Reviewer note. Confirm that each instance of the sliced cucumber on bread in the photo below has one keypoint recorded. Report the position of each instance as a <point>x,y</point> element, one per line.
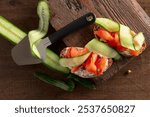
<point>101,48</point>
<point>107,24</point>
<point>75,61</point>
<point>126,39</point>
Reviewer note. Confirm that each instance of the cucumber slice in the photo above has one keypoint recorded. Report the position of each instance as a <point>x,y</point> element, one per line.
<point>138,40</point>
<point>44,15</point>
<point>102,49</point>
<point>52,60</point>
<point>69,85</point>
<point>107,24</point>
<point>126,39</point>
<point>37,35</point>
<point>52,55</point>
<point>75,61</point>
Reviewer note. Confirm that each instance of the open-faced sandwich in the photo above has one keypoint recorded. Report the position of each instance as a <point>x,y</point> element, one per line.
<point>120,37</point>
<point>110,39</point>
<point>88,62</point>
<point>84,63</point>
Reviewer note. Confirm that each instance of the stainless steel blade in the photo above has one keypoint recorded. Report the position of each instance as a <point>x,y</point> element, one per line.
<point>22,55</point>
<point>41,47</point>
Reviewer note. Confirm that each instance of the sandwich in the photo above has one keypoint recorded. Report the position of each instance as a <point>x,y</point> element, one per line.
<point>119,37</point>
<point>84,63</point>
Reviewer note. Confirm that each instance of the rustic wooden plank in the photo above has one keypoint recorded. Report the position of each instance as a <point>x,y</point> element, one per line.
<point>127,12</point>
<point>145,5</point>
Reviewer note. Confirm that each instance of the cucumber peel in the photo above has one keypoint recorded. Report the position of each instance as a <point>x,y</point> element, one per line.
<point>87,83</point>
<point>75,61</point>
<point>107,24</point>
<point>101,48</point>
<point>69,85</point>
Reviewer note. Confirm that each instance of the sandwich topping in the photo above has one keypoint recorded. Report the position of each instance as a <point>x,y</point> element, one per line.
<point>122,38</point>
<point>93,66</point>
<point>111,40</point>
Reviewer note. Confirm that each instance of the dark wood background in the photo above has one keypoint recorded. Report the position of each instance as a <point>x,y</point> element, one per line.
<point>19,83</point>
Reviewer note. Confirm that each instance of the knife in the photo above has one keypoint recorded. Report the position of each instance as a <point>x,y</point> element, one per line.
<point>22,55</point>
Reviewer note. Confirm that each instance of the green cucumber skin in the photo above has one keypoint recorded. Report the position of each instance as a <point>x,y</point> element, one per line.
<point>102,49</point>
<point>107,24</point>
<point>75,61</point>
<point>69,85</point>
<point>48,60</point>
<point>87,83</point>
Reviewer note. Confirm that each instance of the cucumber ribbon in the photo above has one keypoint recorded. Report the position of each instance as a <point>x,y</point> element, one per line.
<point>127,40</point>
<point>35,36</point>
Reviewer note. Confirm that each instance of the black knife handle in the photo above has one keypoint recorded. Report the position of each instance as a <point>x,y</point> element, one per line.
<point>79,23</point>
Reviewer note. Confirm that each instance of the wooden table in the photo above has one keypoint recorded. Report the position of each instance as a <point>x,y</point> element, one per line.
<point>19,83</point>
<point>145,4</point>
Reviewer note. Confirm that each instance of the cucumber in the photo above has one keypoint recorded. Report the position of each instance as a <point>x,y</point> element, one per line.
<point>126,39</point>
<point>52,62</point>
<point>53,55</point>
<point>38,34</point>
<point>69,85</point>
<point>101,48</point>
<point>15,35</point>
<point>75,61</point>
<point>4,33</point>
<point>107,24</point>
<point>8,30</point>
<point>87,83</point>
<point>12,27</point>
<point>138,40</point>
<point>44,15</point>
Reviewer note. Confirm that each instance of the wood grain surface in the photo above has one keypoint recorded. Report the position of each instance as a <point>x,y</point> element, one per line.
<point>145,5</point>
<point>19,83</point>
